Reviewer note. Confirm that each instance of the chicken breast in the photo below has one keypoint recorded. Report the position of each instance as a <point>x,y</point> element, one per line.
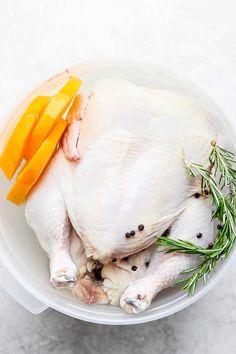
<point>132,142</point>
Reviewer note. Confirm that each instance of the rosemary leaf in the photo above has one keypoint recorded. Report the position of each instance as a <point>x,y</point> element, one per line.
<point>222,164</point>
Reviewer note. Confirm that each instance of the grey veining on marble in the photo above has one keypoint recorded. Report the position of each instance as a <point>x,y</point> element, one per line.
<point>39,38</point>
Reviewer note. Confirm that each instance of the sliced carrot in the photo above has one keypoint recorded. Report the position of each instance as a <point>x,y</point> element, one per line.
<point>54,110</point>
<point>35,167</point>
<point>14,150</point>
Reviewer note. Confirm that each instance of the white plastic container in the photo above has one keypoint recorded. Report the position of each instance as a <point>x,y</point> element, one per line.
<point>24,265</point>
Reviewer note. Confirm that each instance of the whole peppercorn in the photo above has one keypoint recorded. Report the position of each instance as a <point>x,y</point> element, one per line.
<point>134,268</point>
<point>199,235</point>
<point>141,227</point>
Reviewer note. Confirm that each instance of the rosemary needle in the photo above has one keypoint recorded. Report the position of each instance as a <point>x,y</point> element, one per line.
<point>222,164</point>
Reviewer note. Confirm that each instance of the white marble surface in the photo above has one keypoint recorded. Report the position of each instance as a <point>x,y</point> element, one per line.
<point>38,38</point>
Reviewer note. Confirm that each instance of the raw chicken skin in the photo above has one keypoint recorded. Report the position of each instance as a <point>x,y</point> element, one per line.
<point>132,144</point>
<point>164,269</point>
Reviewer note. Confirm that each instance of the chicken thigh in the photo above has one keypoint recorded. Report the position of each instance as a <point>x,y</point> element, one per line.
<point>120,182</point>
<point>165,269</point>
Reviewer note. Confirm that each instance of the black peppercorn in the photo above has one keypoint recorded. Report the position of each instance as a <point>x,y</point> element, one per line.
<point>210,245</point>
<point>141,227</point>
<point>147,264</point>
<point>219,227</point>
<point>199,235</point>
<point>206,192</point>
<point>127,235</point>
<point>134,268</point>
<point>125,258</point>
<point>197,195</point>
<point>132,232</point>
<point>114,260</point>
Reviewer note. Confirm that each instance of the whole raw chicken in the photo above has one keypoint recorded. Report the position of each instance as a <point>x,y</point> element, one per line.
<point>117,183</point>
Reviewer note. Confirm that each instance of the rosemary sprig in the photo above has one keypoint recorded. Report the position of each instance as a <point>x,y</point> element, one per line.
<point>222,164</point>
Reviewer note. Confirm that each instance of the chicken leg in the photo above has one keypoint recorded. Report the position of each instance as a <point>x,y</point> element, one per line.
<point>165,269</point>
<point>48,217</point>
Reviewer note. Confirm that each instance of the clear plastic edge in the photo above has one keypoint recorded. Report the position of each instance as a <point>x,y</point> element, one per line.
<point>19,293</point>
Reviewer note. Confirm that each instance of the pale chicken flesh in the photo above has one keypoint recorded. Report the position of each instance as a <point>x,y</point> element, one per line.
<point>120,181</point>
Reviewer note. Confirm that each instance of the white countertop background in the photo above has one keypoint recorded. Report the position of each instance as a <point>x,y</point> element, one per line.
<point>196,39</point>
